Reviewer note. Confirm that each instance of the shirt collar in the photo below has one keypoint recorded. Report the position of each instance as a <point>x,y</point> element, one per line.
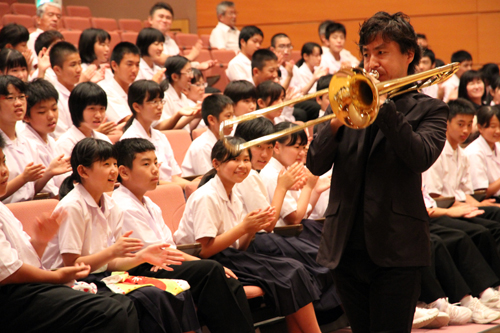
<point>106,201</point>
<point>219,188</point>
<point>61,89</point>
<point>226,27</point>
<point>486,147</point>
<point>275,164</point>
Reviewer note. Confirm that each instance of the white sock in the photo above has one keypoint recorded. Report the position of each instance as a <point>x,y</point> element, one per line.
<point>466,300</point>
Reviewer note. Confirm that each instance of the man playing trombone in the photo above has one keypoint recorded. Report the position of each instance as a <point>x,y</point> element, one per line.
<point>376,235</point>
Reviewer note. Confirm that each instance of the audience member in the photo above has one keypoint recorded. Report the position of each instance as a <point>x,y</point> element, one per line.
<point>240,67</point>
<point>225,35</point>
<point>451,85</point>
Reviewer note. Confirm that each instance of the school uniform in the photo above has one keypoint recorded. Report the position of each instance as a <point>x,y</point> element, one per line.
<point>303,77</point>
<point>240,68</point>
<point>46,153</point>
<point>146,72</point>
<point>89,228</point>
<point>64,121</point>
<point>210,212</point>
<point>118,107</point>
<point>170,47</point>
<point>174,103</point>
<point>221,302</point>
<point>24,307</point>
<point>18,154</point>
<point>431,91</point>
<point>322,203</point>
<point>333,65</point>
<point>163,150</point>
<point>197,160</point>
<point>484,163</point>
<point>449,86</point>
<point>31,45</point>
<point>225,37</point>
<point>284,75</point>
<point>66,143</point>
<point>108,74</point>
<point>49,75</point>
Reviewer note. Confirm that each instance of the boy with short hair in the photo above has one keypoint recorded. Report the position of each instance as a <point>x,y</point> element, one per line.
<point>67,65</point>
<point>323,100</point>
<point>41,119</point>
<point>337,56</point>
<point>282,46</point>
<point>125,60</point>
<point>264,66</point>
<point>451,85</point>
<point>221,301</point>
<point>428,62</point>
<point>42,47</point>
<point>214,110</point>
<point>244,96</point>
<point>27,288</point>
<point>240,67</point>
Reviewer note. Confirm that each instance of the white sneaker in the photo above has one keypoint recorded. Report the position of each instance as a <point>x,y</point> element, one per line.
<point>493,302</point>
<point>441,320</point>
<point>424,317</point>
<point>459,315</point>
<point>481,314</point>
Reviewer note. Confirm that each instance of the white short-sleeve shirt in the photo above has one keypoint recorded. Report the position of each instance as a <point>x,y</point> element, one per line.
<point>46,153</point>
<point>174,103</point>
<point>15,245</point>
<point>449,176</point>
<point>323,200</point>
<point>252,193</point>
<point>73,135</point>
<point>209,213</point>
<point>86,229</point>
<point>303,77</point>
<point>146,72</point>
<point>240,68</point>
<point>18,154</point>
<point>117,100</point>
<point>270,177</point>
<point>449,86</point>
<point>108,74</point>
<point>144,218</point>
<point>333,65</point>
<point>284,76</point>
<point>197,160</point>
<point>64,121</point>
<point>224,37</point>
<point>484,163</point>
<point>164,152</point>
<point>170,47</point>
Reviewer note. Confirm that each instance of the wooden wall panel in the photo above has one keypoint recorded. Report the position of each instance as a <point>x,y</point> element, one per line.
<point>488,33</point>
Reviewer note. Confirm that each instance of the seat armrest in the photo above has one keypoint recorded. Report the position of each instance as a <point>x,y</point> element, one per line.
<point>191,249</point>
<point>289,230</point>
<point>444,202</point>
<point>479,195</point>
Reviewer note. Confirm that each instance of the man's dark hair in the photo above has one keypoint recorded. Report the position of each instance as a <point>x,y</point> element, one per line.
<point>324,82</point>
<point>322,27</point>
<point>260,57</point>
<point>13,34</point>
<point>460,56</point>
<point>127,149</point>
<point>429,54</point>
<point>85,94</point>
<point>146,37</point>
<point>37,91</point>
<point>334,27</point>
<point>123,48</point>
<point>255,128</point>
<point>248,32</point>
<point>276,36</point>
<point>460,106</point>
<point>59,52</point>
<point>214,105</point>
<point>47,38</point>
<point>239,90</point>
<point>395,27</point>
<point>161,5</point>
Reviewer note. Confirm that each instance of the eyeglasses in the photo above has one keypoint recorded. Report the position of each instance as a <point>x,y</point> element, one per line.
<point>156,102</point>
<point>12,99</point>
<point>283,47</point>
<point>199,85</point>
<point>189,72</point>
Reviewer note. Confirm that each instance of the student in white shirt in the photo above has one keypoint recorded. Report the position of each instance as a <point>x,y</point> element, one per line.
<point>336,58</point>
<point>298,204</point>
<point>179,75</point>
<point>91,232</point>
<point>472,88</point>
<point>214,218</point>
<point>244,96</point>
<point>270,93</point>
<point>125,60</point>
<point>220,297</point>
<point>12,62</point>
<point>95,53</point>
<point>150,43</point>
<point>225,35</point>
<point>41,119</point>
<point>42,48</point>
<point>282,46</point>
<point>15,36</point>
<point>214,110</point>
<point>160,17</point>
<point>145,99</point>
<point>495,91</point>
<point>27,176</point>
<point>26,287</point>
<point>323,100</point>
<point>87,105</point>
<point>484,152</point>
<point>309,69</point>
<point>66,63</point>
<point>195,93</point>
<point>451,85</point>
<point>240,67</point>
<point>428,62</point>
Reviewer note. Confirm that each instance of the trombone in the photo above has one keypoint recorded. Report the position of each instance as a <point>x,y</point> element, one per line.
<point>354,100</point>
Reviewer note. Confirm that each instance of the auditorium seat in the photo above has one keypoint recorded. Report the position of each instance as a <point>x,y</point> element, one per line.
<point>180,140</point>
<point>146,24</point>
<point>219,70</point>
<point>206,41</point>
<point>76,23</point>
<point>130,25</point>
<point>28,211</point>
<point>79,11</point>
<point>224,56</point>
<point>197,132</point>
<point>4,9</point>
<point>191,187</point>
<point>23,9</point>
<point>105,23</point>
<point>25,20</point>
<point>72,36</point>
<point>186,41</point>
<point>129,36</point>
<point>115,39</point>
<point>204,56</point>
<point>170,199</point>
